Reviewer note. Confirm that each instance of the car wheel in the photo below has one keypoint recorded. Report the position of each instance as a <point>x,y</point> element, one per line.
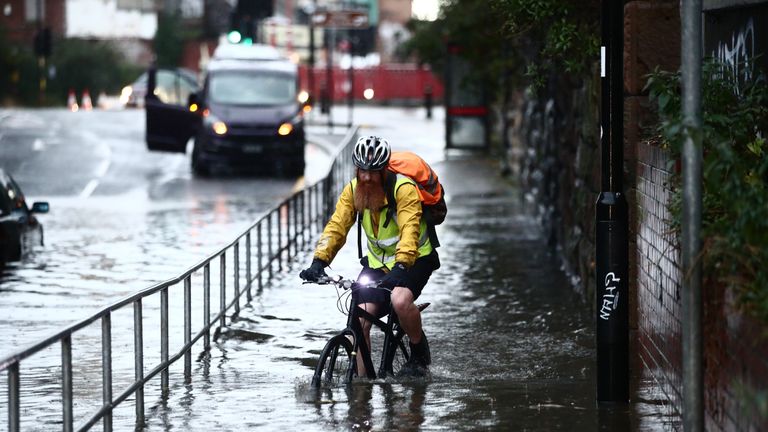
<point>198,167</point>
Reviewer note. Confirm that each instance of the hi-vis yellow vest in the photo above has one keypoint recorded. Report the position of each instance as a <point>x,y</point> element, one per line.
<point>383,246</point>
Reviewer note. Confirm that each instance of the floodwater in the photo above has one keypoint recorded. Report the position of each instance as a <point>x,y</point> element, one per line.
<point>512,345</point>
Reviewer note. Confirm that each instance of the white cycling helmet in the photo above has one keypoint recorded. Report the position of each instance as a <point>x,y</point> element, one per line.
<point>371,153</point>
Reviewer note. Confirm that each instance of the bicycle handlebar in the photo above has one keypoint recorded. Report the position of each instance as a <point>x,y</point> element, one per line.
<point>345,284</point>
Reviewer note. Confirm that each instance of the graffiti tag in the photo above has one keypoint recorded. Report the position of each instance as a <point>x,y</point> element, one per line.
<point>610,296</point>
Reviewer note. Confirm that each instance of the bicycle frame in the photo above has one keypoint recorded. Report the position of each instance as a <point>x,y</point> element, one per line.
<point>393,336</point>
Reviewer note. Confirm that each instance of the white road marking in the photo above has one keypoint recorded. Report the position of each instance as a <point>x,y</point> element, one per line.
<point>106,153</point>
<point>89,188</point>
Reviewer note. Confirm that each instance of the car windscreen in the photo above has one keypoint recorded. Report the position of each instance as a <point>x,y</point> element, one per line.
<point>252,88</point>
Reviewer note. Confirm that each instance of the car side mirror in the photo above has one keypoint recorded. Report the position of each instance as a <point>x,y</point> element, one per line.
<point>40,207</point>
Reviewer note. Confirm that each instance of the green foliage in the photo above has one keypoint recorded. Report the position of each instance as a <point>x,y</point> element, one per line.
<point>75,64</point>
<point>516,41</point>
<point>168,42</point>
<point>170,37</point>
<point>735,174</point>
<point>93,65</point>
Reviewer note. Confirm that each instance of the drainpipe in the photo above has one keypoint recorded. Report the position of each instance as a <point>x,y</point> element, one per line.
<point>612,249</point>
<point>693,377</point>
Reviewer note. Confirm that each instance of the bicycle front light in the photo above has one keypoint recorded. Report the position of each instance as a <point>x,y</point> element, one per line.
<point>364,280</point>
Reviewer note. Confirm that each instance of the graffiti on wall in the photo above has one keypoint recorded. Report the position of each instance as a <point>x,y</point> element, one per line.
<point>737,38</point>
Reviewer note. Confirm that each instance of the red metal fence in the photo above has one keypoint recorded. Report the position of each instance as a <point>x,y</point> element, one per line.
<point>390,83</point>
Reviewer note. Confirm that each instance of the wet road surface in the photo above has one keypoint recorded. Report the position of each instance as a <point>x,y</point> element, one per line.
<point>512,346</point>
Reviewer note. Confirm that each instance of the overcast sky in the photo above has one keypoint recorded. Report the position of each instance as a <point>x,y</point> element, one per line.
<point>425,9</point>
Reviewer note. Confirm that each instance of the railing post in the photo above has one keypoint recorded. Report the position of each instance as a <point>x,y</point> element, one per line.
<point>269,243</point>
<point>248,275</point>
<point>280,237</point>
<point>106,369</point>
<point>222,290</point>
<point>138,354</point>
<point>14,404</point>
<point>207,305</point>
<point>66,383</point>
<point>289,207</point>
<point>237,277</point>
<point>304,239</point>
<point>164,376</point>
<point>187,328</point>
<point>259,256</point>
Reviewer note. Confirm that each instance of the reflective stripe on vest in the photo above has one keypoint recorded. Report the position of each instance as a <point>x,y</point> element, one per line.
<point>382,248</point>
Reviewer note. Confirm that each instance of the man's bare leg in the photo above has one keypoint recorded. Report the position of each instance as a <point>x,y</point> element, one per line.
<point>408,313</point>
<point>371,308</point>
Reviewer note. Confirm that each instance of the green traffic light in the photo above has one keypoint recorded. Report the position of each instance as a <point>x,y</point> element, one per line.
<point>248,41</point>
<point>234,37</point>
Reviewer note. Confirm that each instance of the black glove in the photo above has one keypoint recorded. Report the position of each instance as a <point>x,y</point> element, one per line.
<point>315,271</point>
<point>397,277</point>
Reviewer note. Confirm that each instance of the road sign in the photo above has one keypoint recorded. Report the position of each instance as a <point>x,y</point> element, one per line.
<point>341,19</point>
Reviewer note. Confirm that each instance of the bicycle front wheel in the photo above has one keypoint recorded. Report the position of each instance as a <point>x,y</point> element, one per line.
<point>337,363</point>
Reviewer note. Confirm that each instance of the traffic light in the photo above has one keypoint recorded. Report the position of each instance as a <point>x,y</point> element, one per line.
<point>43,43</point>
<point>243,20</point>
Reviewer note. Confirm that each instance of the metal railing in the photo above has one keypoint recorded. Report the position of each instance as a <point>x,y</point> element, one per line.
<point>279,235</point>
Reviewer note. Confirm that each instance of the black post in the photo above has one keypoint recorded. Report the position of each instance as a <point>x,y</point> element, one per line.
<point>351,94</point>
<point>330,41</point>
<point>428,100</point>
<point>612,255</point>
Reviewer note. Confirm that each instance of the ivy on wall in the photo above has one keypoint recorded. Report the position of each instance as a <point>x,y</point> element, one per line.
<point>735,175</point>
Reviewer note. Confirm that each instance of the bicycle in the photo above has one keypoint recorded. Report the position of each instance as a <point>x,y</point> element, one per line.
<point>337,364</point>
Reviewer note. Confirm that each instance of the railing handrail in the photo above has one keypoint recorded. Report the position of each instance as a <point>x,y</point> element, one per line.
<point>12,362</point>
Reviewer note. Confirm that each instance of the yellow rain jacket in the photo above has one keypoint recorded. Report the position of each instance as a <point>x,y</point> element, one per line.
<point>408,226</point>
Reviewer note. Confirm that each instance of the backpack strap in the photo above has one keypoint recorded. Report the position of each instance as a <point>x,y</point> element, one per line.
<point>389,187</point>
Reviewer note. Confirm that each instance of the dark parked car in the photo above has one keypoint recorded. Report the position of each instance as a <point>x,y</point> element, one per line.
<point>248,115</point>
<point>19,228</point>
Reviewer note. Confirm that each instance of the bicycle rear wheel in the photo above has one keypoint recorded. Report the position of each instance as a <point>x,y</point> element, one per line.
<point>337,364</point>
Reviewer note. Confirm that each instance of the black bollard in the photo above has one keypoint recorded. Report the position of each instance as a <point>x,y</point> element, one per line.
<point>428,100</point>
<point>324,105</point>
<point>612,299</point>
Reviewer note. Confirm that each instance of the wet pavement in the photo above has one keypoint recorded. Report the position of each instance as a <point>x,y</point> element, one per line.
<point>512,345</point>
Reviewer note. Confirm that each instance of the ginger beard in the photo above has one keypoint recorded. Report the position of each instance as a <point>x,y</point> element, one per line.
<point>369,193</point>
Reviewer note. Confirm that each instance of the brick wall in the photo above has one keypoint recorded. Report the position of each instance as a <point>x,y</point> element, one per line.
<point>560,172</point>
<point>735,346</point>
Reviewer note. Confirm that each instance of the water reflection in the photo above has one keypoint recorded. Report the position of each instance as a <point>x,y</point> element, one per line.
<point>366,406</point>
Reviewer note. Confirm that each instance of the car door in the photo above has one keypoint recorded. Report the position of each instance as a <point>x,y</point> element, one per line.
<point>171,121</point>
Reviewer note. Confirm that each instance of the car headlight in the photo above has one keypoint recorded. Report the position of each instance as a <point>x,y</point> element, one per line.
<point>287,127</point>
<point>213,122</point>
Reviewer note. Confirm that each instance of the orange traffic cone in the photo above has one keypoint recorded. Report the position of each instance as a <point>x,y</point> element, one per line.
<point>72,101</point>
<point>87,104</point>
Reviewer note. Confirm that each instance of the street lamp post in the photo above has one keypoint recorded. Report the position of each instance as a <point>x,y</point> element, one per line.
<point>612,249</point>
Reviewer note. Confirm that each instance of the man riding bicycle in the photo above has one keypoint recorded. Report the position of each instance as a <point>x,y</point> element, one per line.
<point>400,252</point>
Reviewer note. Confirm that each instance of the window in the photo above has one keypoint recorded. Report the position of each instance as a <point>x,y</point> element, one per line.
<point>253,88</point>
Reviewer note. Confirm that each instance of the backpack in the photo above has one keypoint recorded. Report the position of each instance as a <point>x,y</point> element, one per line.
<point>431,192</point>
<point>429,187</point>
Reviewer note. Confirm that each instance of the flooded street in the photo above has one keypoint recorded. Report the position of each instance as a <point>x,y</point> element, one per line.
<point>512,346</point>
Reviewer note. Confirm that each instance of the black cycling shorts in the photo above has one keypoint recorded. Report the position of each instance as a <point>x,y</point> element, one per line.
<point>418,275</point>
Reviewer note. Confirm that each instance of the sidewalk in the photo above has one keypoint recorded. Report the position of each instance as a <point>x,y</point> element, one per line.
<point>512,346</point>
